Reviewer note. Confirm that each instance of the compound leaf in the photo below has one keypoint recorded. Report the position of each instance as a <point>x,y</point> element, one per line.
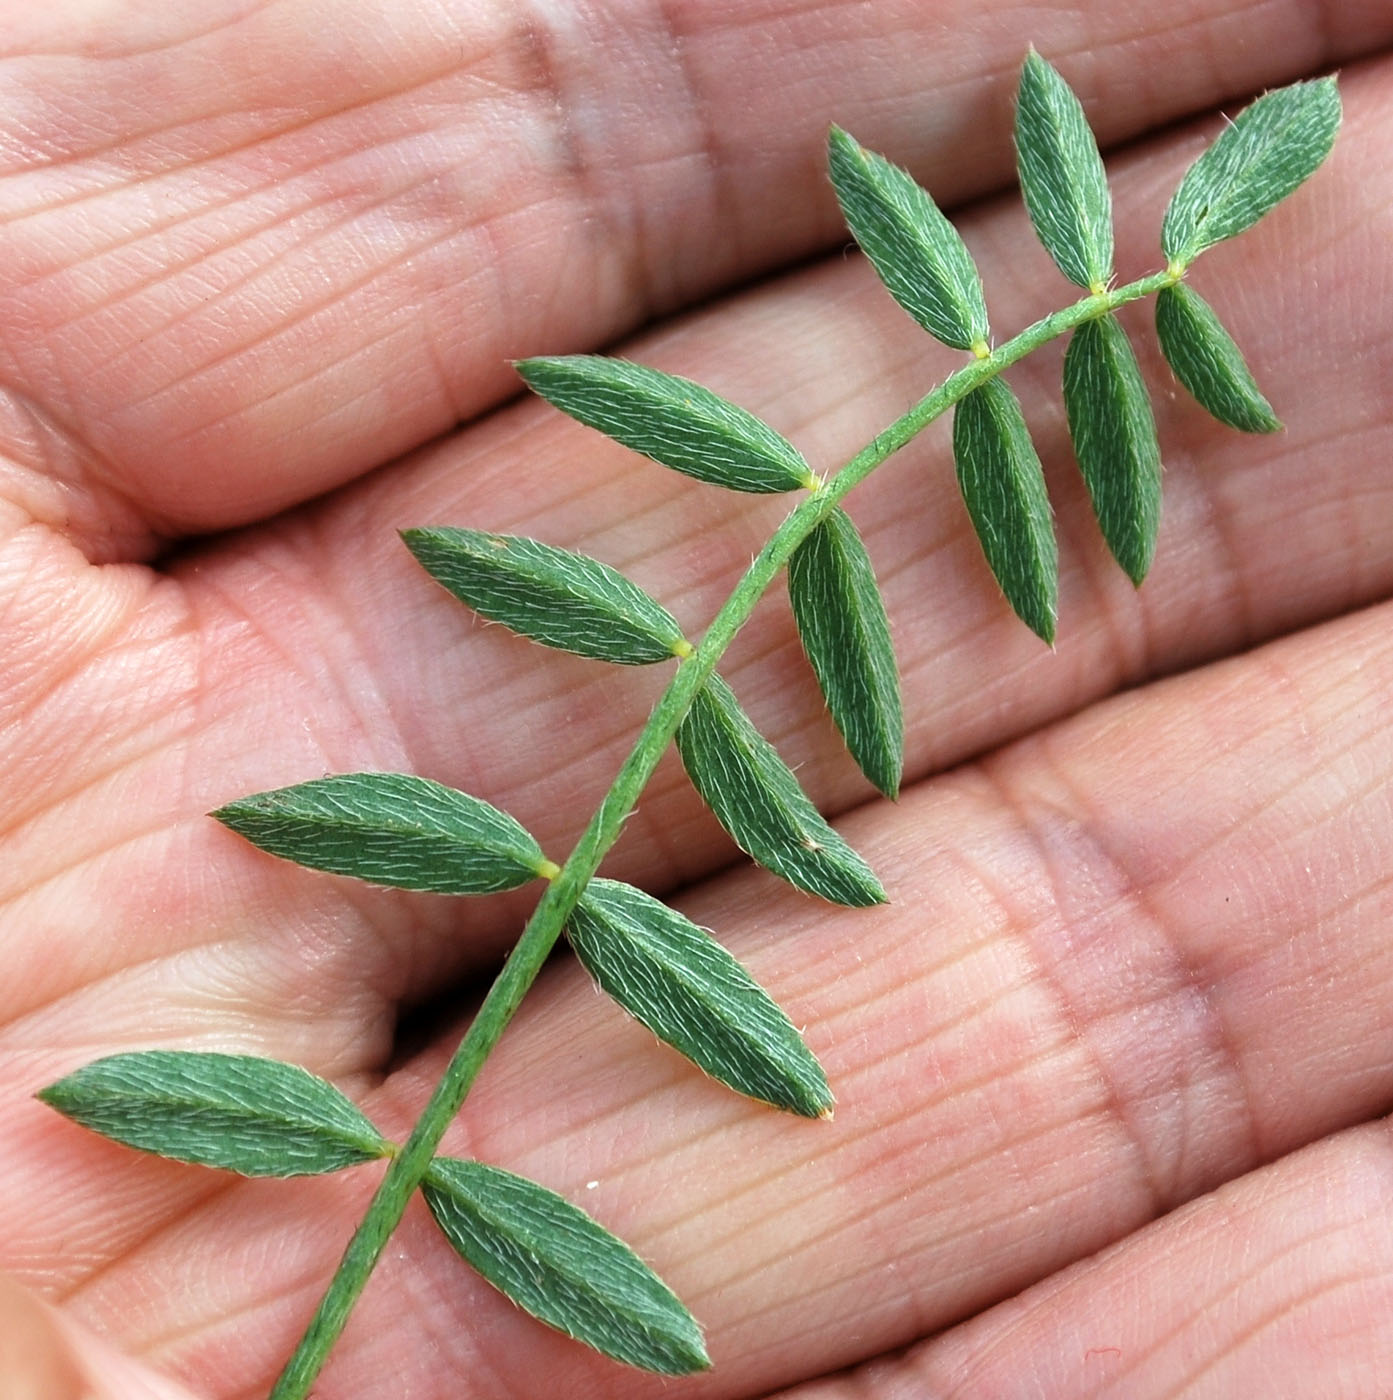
<point>1114,435</point>
<point>558,1264</point>
<point>243,1114</point>
<point>757,799</point>
<point>919,255</point>
<point>1208,363</point>
<point>841,620</point>
<point>1062,176</point>
<point>1003,487</point>
<point>690,992</point>
<point>554,596</point>
<point>390,829</point>
<point>1269,149</point>
<point>674,421</point>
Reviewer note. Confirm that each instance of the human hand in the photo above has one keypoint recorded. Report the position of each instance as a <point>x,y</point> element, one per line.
<point>1133,966</point>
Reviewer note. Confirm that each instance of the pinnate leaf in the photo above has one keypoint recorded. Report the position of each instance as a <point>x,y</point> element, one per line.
<point>690,992</point>
<point>757,799</point>
<point>674,421</point>
<point>390,829</point>
<point>1269,149</point>
<point>1062,176</point>
<point>919,255</point>
<point>243,1114</point>
<point>1114,435</point>
<point>841,620</point>
<point>554,596</point>
<point>1003,487</point>
<point>558,1264</point>
<point>1208,363</point>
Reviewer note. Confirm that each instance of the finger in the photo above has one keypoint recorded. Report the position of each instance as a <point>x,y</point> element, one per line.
<point>218,301</point>
<point>320,647</point>
<point>33,1357</point>
<point>1128,959</point>
<point>1259,537</point>
<point>243,953</point>
<point>1279,1283</point>
<point>44,1356</point>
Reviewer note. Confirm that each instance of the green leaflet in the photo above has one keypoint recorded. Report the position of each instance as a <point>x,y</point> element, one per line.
<point>919,255</point>
<point>390,829</point>
<point>554,596</point>
<point>243,1114</point>
<point>1062,176</point>
<point>841,620</point>
<point>1114,435</point>
<point>1003,487</point>
<point>1253,164</point>
<point>556,1263</point>
<point>671,420</point>
<point>1208,363</point>
<point>759,802</point>
<point>689,991</point>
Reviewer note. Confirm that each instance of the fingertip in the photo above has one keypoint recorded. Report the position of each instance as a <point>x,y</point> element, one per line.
<point>46,1356</point>
<point>35,1359</point>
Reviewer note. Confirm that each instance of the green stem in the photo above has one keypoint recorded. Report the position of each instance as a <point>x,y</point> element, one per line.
<point>408,1169</point>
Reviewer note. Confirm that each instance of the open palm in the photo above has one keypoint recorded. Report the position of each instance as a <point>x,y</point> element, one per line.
<point>1109,1064</point>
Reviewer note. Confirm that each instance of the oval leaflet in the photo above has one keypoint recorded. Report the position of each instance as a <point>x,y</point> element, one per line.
<point>692,993</point>
<point>1255,162</point>
<point>919,255</point>
<point>1208,363</point>
<point>240,1113</point>
<point>391,829</point>
<point>1062,176</point>
<point>554,596</point>
<point>1003,488</point>
<point>846,635</point>
<point>558,1264</point>
<point>755,796</point>
<point>1114,436</point>
<point>674,421</point>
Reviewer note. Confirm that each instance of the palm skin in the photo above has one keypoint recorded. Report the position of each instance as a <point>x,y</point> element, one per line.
<point>1111,1064</point>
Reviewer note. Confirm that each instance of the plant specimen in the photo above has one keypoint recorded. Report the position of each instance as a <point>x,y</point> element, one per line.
<point>263,1117</point>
